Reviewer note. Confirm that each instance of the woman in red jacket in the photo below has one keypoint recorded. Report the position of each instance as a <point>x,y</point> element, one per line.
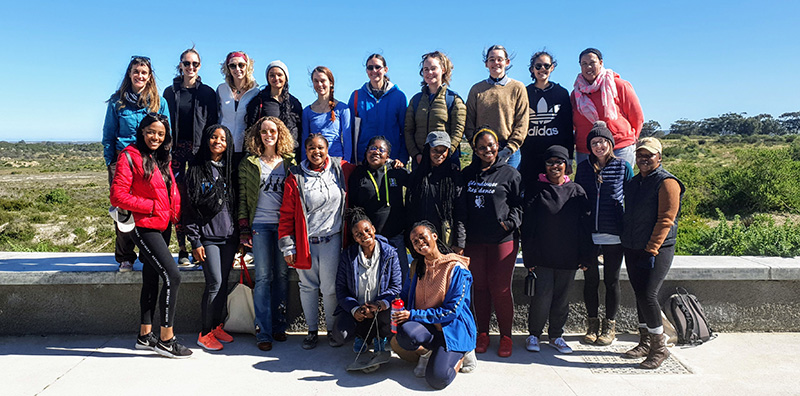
<point>145,186</point>
<point>600,95</point>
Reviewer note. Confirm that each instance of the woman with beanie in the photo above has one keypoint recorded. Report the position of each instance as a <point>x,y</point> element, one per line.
<point>262,175</point>
<point>650,226</point>
<point>276,101</point>
<point>603,176</point>
<point>436,108</point>
<point>233,95</point>
<point>192,107</point>
<point>555,242</point>
<point>145,186</point>
<point>437,322</point>
<point>210,227</point>
<point>550,118</point>
<point>500,103</point>
<point>378,108</point>
<point>435,193</point>
<point>599,94</point>
<point>328,116</point>
<point>136,97</point>
<point>494,213</point>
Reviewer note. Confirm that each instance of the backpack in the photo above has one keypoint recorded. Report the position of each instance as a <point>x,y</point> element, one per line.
<point>449,99</point>
<point>690,321</point>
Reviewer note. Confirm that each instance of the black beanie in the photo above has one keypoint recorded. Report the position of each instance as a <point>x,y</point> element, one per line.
<point>556,151</point>
<point>599,129</point>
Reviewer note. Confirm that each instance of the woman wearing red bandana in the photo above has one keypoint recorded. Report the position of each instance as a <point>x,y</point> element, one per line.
<point>599,94</point>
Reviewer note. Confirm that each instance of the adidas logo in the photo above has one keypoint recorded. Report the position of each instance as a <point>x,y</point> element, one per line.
<point>540,117</point>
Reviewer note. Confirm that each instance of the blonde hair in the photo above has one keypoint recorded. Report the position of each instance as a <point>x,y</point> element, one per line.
<point>254,145</point>
<point>149,98</point>
<point>249,80</point>
<point>444,62</point>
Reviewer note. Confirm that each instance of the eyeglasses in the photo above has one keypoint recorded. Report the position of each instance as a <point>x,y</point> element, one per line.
<point>237,66</point>
<point>378,149</point>
<point>540,66</point>
<point>193,64</point>
<point>439,151</point>
<point>487,147</point>
<point>374,67</point>
<point>555,162</point>
<point>602,142</point>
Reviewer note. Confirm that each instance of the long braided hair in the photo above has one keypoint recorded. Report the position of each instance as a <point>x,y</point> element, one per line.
<point>331,101</point>
<point>207,195</point>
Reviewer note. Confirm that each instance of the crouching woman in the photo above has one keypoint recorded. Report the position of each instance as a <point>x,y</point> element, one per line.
<point>438,319</point>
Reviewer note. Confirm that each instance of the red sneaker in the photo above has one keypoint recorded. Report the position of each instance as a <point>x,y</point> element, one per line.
<point>506,345</point>
<point>482,343</point>
<point>221,335</point>
<point>208,342</point>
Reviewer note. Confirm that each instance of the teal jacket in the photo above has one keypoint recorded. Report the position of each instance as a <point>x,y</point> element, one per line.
<point>119,129</point>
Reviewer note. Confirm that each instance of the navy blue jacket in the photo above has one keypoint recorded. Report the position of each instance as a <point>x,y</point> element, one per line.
<point>389,276</point>
<point>606,197</point>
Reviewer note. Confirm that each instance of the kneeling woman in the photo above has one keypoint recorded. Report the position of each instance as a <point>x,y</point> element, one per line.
<point>367,281</point>
<point>438,323</point>
<point>144,184</point>
<point>210,227</point>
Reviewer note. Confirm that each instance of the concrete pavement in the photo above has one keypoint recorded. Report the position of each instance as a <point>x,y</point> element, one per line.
<point>732,364</point>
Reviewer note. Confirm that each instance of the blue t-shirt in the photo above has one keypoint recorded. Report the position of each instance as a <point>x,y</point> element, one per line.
<point>337,132</point>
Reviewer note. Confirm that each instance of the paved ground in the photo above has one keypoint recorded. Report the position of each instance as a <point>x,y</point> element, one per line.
<point>732,364</point>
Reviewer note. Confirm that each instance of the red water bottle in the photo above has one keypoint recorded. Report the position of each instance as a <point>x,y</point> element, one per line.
<point>397,306</point>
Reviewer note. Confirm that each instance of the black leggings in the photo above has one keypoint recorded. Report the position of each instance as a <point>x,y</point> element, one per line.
<point>158,262</point>
<point>216,268</point>
<point>612,261</point>
<point>441,370</point>
<point>646,282</point>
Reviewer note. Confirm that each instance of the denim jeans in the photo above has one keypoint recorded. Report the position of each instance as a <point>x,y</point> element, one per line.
<point>514,159</point>
<point>271,283</point>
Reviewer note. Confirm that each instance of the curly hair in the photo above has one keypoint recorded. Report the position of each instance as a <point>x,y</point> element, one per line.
<point>249,80</point>
<point>255,146</point>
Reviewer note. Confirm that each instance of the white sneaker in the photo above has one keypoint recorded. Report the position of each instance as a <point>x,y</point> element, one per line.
<point>125,266</point>
<point>470,362</point>
<point>561,345</point>
<point>532,343</point>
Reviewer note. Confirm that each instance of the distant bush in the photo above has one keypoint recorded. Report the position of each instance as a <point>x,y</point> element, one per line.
<point>757,236</point>
<point>9,204</point>
<point>17,232</point>
<point>55,197</point>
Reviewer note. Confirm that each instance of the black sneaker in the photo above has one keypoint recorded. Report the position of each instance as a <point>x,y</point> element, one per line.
<point>310,342</point>
<point>147,342</point>
<point>172,349</point>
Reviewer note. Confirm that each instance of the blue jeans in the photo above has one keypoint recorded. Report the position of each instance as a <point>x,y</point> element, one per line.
<point>514,159</point>
<point>271,284</point>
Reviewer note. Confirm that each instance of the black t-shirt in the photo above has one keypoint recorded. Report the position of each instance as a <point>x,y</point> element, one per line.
<point>186,114</point>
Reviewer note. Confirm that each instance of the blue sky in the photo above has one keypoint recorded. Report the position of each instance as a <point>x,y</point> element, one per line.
<point>59,61</point>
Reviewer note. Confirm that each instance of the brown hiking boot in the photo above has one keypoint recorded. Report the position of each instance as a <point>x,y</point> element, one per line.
<point>641,350</point>
<point>609,333</point>
<point>592,330</point>
<point>658,352</point>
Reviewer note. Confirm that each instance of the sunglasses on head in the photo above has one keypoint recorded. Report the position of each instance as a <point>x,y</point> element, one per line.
<point>237,66</point>
<point>374,67</point>
<point>140,58</point>
<point>540,66</point>
<point>160,117</point>
<point>193,64</point>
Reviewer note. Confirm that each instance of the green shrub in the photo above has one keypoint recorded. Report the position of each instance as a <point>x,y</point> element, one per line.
<point>13,204</point>
<point>55,197</point>
<point>17,232</point>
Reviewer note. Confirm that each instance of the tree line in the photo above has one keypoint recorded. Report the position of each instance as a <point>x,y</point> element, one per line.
<point>730,124</point>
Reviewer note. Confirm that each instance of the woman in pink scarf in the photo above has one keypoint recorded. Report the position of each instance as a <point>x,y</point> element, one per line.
<point>600,95</point>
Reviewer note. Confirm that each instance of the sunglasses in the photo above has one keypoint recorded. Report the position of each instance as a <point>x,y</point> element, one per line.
<point>555,163</point>
<point>160,117</point>
<point>140,58</point>
<point>192,64</point>
<point>374,67</point>
<point>237,66</point>
<point>378,149</point>
<point>540,66</point>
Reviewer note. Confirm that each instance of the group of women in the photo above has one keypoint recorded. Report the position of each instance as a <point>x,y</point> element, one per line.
<point>325,190</point>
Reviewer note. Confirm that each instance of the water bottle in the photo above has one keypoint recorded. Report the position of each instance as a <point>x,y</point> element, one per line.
<point>397,306</point>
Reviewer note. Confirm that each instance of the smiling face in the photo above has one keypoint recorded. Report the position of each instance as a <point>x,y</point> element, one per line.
<point>647,161</point>
<point>237,66</point>
<point>276,78</point>
<point>377,154</point>
<point>364,234</point>
<point>432,71</point>
<point>139,75</point>
<point>269,133</point>
<point>190,65</point>
<point>154,135</point>
<point>423,241</point>
<point>497,62</point>
<point>317,151</point>
<point>486,149</point>
<point>590,67</point>
<point>322,85</point>
<point>217,144</point>
<point>438,154</point>
<point>600,146</point>
<point>542,67</point>
<point>555,168</point>
<point>376,71</point>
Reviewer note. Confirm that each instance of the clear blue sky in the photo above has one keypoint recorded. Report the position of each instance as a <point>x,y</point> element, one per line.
<point>59,61</point>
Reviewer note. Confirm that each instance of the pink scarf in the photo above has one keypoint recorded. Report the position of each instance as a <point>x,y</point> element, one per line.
<point>543,178</point>
<point>608,92</point>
